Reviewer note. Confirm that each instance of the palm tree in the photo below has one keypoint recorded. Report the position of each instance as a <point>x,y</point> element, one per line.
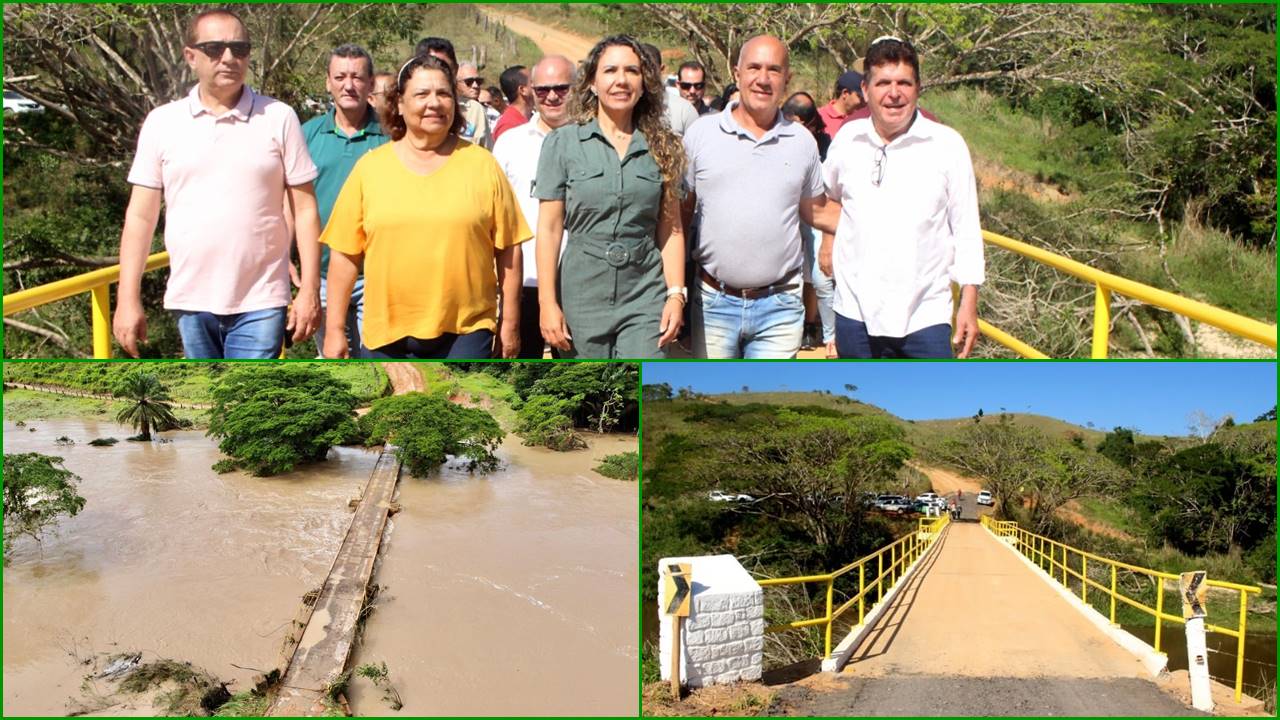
<point>148,404</point>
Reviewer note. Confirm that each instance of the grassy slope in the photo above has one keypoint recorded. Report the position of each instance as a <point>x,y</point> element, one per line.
<point>1208,265</point>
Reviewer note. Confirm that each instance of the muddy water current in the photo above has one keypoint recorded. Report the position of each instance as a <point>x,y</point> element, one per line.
<point>167,557</point>
<point>512,593</point>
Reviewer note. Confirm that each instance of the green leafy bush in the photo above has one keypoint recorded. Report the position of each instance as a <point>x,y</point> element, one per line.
<point>427,429</point>
<point>37,490</point>
<point>546,421</point>
<point>269,419</point>
<point>623,466</point>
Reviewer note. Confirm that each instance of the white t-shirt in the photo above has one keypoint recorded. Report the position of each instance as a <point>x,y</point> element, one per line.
<point>901,244</point>
<point>517,153</point>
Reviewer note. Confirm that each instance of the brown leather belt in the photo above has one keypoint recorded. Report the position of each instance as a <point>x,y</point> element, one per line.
<point>748,293</point>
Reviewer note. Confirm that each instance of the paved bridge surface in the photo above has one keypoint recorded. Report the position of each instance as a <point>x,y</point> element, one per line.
<point>977,632</point>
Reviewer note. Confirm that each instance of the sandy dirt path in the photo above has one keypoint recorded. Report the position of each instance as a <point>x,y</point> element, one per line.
<point>551,41</point>
<point>946,482</point>
<point>404,377</point>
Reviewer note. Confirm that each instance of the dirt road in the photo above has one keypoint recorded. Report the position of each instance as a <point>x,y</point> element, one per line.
<point>946,482</point>
<point>977,633</point>
<point>551,41</point>
<point>404,377</point>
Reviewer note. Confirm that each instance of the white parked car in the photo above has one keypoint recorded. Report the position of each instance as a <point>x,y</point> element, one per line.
<point>721,496</point>
<point>15,103</point>
<point>985,498</point>
<point>927,498</point>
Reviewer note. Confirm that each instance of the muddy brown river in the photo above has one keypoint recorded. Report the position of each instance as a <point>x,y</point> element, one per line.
<point>512,593</point>
<point>167,557</point>
<point>505,593</point>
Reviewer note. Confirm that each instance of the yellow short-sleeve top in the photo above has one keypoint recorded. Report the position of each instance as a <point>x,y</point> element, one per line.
<point>428,242</point>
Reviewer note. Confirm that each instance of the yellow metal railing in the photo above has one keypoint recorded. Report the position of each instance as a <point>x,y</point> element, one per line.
<point>97,283</point>
<point>891,563</point>
<point>1056,558</point>
<point>1105,284</point>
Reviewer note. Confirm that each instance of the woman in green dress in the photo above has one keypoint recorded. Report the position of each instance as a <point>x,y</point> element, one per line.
<point>612,179</point>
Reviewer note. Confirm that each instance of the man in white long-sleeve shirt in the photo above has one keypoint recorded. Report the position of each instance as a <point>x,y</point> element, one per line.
<point>909,225</point>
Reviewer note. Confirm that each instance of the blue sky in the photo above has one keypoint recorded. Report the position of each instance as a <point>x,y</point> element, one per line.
<point>1152,397</point>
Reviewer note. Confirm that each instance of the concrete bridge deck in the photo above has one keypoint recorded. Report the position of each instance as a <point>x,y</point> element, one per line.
<point>978,633</point>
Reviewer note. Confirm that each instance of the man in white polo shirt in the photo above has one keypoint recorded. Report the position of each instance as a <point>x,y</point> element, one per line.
<point>517,152</point>
<point>222,160</point>
<point>752,177</point>
<point>909,226</point>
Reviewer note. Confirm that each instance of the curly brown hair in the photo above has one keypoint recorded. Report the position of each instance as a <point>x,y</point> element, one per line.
<point>649,114</point>
<point>391,119</point>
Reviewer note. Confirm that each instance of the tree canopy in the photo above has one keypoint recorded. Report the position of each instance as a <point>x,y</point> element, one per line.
<point>269,419</point>
<point>37,491</point>
<point>426,429</point>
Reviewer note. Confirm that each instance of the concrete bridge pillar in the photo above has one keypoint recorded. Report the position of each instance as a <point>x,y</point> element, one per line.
<point>722,640</point>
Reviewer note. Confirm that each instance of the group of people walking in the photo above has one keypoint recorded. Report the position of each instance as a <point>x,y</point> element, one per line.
<point>648,209</point>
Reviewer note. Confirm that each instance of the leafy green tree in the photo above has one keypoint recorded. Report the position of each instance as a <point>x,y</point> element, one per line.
<point>601,393</point>
<point>426,429</point>
<point>37,491</point>
<point>270,418</point>
<point>149,404</point>
<point>658,392</point>
<point>547,421</point>
<point>1118,447</point>
<point>1268,415</point>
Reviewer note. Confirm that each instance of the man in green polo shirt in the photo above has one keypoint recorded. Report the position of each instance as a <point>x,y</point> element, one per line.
<point>336,140</point>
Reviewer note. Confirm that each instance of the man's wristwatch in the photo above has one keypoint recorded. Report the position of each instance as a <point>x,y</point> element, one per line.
<point>680,292</point>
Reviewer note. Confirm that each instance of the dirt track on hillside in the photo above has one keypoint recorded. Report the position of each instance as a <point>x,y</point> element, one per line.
<point>551,41</point>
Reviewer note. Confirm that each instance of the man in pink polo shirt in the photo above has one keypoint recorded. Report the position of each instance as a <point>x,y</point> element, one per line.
<point>222,160</point>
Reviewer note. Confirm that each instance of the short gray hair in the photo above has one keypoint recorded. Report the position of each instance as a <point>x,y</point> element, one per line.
<point>351,50</point>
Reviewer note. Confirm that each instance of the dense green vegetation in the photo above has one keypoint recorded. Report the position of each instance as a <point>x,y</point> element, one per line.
<point>623,466</point>
<point>270,418</point>
<point>426,428</point>
<point>37,491</point>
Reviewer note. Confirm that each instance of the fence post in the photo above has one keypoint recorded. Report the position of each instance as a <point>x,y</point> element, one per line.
<point>862,591</point>
<point>831,583</point>
<point>101,308</point>
<point>1159,609</point>
<point>1101,321</point>
<point>1084,579</point>
<point>879,576</point>
<point>1113,594</point>
<point>1244,608</point>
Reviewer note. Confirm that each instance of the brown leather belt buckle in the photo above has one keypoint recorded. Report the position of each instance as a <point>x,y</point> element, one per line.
<point>744,293</point>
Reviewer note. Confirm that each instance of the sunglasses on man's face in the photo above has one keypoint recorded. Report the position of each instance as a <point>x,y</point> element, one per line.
<point>692,86</point>
<point>215,48</point>
<point>473,81</point>
<point>542,91</point>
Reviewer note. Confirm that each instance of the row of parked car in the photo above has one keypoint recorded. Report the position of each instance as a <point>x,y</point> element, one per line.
<point>925,503</point>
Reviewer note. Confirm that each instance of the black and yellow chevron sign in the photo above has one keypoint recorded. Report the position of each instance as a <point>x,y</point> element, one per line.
<point>677,587</point>
<point>1194,591</point>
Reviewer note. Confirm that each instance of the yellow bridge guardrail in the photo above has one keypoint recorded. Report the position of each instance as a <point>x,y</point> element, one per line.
<point>98,283</point>
<point>1054,558</point>
<point>1104,285</point>
<point>899,555</point>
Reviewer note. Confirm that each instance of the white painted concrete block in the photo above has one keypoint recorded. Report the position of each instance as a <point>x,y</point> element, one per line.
<point>722,639</point>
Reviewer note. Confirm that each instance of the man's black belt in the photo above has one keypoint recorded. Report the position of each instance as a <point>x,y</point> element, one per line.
<point>782,285</point>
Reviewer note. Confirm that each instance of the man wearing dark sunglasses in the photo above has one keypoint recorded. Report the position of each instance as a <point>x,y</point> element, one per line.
<point>517,152</point>
<point>692,84</point>
<point>224,161</point>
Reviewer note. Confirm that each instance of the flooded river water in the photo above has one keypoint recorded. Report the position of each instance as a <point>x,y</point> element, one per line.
<point>508,593</point>
<point>167,557</point>
<point>512,593</point>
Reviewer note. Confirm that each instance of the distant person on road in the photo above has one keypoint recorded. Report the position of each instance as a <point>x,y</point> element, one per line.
<point>612,179</point>
<point>515,88</point>
<point>909,227</point>
<point>336,140</point>
<point>476,128</point>
<point>222,160</point>
<point>517,152</point>
<point>434,223</point>
<point>753,178</point>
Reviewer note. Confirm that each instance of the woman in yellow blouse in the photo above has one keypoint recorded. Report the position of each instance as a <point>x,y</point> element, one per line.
<point>434,223</point>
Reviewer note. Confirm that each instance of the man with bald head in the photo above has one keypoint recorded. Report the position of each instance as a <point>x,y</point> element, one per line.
<point>753,177</point>
<point>517,152</point>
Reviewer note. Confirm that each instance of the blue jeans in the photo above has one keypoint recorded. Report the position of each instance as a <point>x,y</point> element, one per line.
<point>257,335</point>
<point>824,288</point>
<point>852,341</point>
<point>355,318</point>
<point>728,327</point>
<point>477,345</point>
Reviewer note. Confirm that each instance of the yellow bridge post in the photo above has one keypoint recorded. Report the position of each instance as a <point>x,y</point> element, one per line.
<point>880,577</point>
<point>862,591</point>
<point>1113,594</point>
<point>831,583</point>
<point>1244,606</point>
<point>101,308</point>
<point>1159,609</point>
<point>1101,321</point>
<point>1084,579</point>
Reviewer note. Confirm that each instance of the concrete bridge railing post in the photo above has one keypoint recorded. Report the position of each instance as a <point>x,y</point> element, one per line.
<point>722,639</point>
